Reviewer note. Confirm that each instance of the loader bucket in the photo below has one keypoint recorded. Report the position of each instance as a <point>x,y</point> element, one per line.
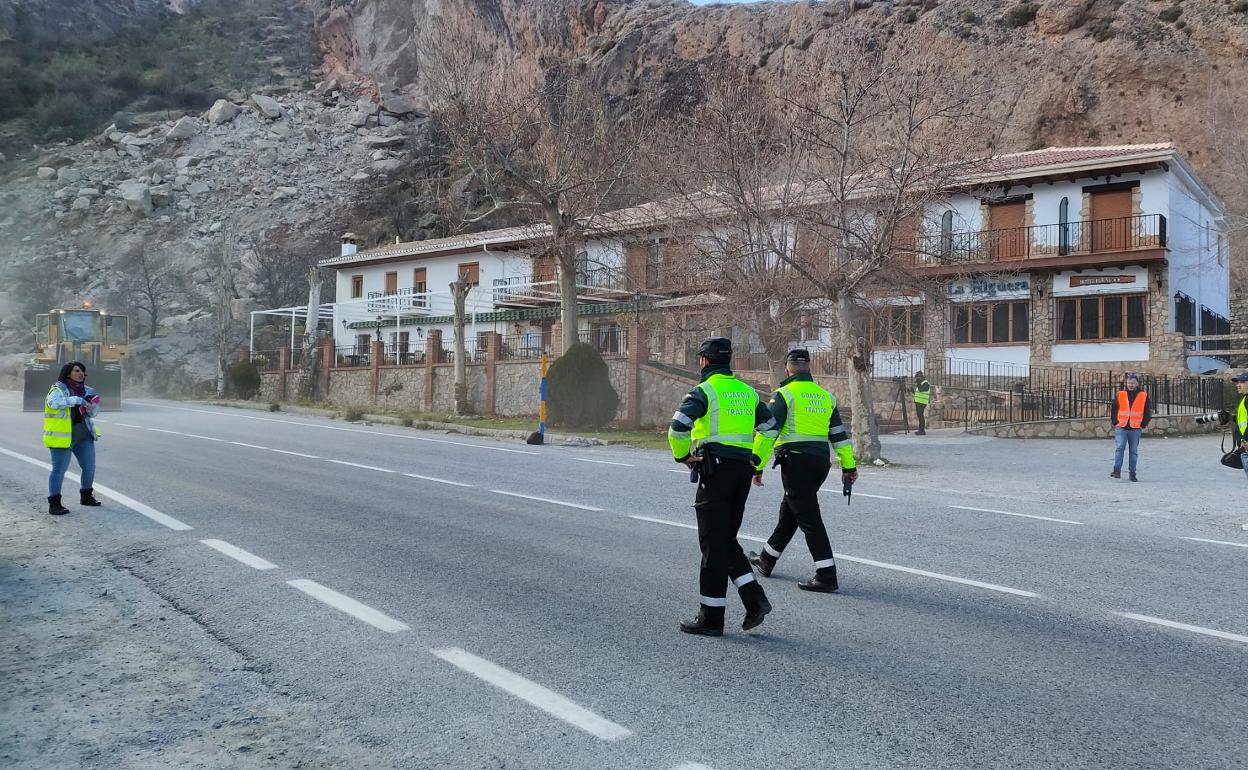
<point>105,379</point>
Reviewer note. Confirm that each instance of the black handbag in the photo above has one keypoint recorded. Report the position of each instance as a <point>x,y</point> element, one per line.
<point>1234,458</point>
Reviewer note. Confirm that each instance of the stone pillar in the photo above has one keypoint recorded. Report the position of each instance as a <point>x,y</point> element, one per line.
<point>1040,317</point>
<point>493,346</point>
<point>433,355</point>
<point>637,355</point>
<point>935,315</point>
<point>283,363</point>
<point>556,340</point>
<point>374,361</point>
<point>328,361</point>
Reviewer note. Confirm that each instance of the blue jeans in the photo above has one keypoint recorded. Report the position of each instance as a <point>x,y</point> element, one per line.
<point>1243,460</point>
<point>85,452</point>
<point>1123,438</point>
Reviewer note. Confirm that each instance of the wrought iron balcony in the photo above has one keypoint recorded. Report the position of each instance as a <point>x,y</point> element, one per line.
<point>1075,239</point>
<point>403,300</point>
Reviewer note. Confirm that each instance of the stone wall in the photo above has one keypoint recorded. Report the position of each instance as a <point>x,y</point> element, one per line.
<point>1099,427</point>
<point>516,386</point>
<point>661,393</point>
<point>349,387</point>
<point>398,387</point>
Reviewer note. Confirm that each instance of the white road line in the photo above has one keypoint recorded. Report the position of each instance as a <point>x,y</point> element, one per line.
<point>249,446</point>
<point>129,502</point>
<point>534,694</point>
<point>440,481</point>
<point>939,576</point>
<point>358,465</point>
<point>1216,542</point>
<point>1184,627</point>
<point>602,462</point>
<point>1011,513</point>
<point>350,606</point>
<point>856,494</point>
<point>677,470</point>
<point>238,554</point>
<point>296,454</point>
<point>205,438</point>
<point>664,521</point>
<point>692,766</point>
<point>872,563</point>
<point>344,430</point>
<point>546,500</point>
<point>170,432</point>
<point>128,425</point>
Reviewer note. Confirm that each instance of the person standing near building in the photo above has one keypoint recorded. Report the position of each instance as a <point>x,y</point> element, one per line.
<point>713,433</point>
<point>922,397</point>
<point>810,428</point>
<point>1239,418</point>
<point>1129,413</point>
<point>69,430</point>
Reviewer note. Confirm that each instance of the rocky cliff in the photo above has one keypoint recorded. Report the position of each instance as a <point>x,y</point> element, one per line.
<point>78,21</point>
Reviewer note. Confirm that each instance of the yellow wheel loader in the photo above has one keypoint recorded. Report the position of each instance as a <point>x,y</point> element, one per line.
<point>97,338</point>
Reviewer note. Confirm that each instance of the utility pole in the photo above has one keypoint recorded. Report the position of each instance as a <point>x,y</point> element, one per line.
<point>459,293</point>
<point>310,322</point>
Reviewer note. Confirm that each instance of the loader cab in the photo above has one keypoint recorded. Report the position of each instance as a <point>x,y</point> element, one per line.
<point>43,337</point>
<point>117,333</point>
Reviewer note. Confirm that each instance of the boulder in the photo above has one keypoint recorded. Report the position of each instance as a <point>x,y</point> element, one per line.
<point>280,130</point>
<point>185,161</point>
<point>197,188</point>
<point>138,197</point>
<point>68,175</point>
<point>1057,17</point>
<point>382,142</point>
<point>162,195</point>
<point>222,111</point>
<point>267,105</point>
<point>182,130</point>
<point>81,203</point>
<point>89,192</point>
<point>357,119</point>
<point>45,172</point>
<point>387,167</point>
<point>386,119</point>
<point>107,154</point>
<point>402,104</point>
<point>327,86</point>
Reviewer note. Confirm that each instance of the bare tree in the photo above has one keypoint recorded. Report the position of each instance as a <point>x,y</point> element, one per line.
<point>146,281</point>
<point>279,262</point>
<point>220,278</point>
<point>538,144</point>
<point>311,362</point>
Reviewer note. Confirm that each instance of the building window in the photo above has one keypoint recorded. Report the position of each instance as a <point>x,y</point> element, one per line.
<point>990,323</point>
<point>420,286</point>
<point>1063,227</point>
<point>1184,314</point>
<point>654,265</point>
<point>392,283</point>
<point>362,341</point>
<point>605,337</point>
<point>897,326</point>
<point>357,286</point>
<point>470,272</point>
<point>1108,317</point>
<point>582,267</point>
<point>946,235</point>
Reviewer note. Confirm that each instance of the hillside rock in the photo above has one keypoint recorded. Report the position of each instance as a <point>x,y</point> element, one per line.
<point>267,105</point>
<point>222,111</point>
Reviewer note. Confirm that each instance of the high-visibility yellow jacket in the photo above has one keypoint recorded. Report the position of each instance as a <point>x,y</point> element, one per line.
<point>58,421</point>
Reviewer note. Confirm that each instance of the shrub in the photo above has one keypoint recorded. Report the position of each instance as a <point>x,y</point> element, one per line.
<point>911,15</point>
<point>353,414</point>
<point>1240,6</point>
<point>1020,15</point>
<point>579,392</point>
<point>407,421</point>
<point>275,407</point>
<point>244,379</point>
<point>969,17</point>
<point>1171,14</point>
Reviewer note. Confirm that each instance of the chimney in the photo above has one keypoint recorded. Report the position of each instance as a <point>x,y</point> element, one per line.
<point>348,244</point>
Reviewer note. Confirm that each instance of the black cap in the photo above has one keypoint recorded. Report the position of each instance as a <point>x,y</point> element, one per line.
<point>799,354</point>
<point>1241,377</point>
<point>715,347</point>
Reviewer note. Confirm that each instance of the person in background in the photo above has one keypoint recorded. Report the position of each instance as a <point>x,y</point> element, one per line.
<point>1239,417</point>
<point>69,430</point>
<point>1129,413</point>
<point>922,397</point>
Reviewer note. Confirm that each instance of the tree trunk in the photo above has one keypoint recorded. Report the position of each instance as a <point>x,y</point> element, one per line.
<point>568,311</point>
<point>152,316</point>
<point>459,293</point>
<point>311,364</point>
<point>864,426</point>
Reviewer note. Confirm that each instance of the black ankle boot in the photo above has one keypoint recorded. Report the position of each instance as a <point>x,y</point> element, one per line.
<point>708,622</point>
<point>756,605</point>
<point>763,562</point>
<point>87,497</point>
<point>823,582</point>
<point>54,506</point>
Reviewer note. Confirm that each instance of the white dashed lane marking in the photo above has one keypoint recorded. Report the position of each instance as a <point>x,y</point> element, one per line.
<point>1011,513</point>
<point>1216,542</point>
<point>1185,627</point>
<point>534,694</point>
<point>437,480</point>
<point>238,554</point>
<point>603,462</point>
<point>359,465</point>
<point>546,500</point>
<point>344,603</point>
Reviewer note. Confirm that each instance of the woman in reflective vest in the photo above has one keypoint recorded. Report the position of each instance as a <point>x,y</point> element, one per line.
<point>1239,418</point>
<point>1129,413</point>
<point>69,431</point>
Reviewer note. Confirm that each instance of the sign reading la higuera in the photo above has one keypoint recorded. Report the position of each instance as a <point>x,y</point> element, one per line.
<point>982,287</point>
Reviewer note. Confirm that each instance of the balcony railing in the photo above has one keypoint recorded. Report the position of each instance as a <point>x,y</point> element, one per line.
<point>398,301</point>
<point>524,289</point>
<point>1099,236</point>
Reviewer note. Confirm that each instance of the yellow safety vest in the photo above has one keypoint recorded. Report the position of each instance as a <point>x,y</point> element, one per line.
<point>923,397</point>
<point>58,424</point>
<point>730,409</point>
<point>809,413</point>
<point>1241,417</point>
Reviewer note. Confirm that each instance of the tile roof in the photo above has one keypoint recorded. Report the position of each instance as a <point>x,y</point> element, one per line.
<point>1063,156</point>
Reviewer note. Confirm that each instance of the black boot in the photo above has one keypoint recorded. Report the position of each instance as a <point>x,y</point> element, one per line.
<point>54,506</point>
<point>87,497</point>
<point>763,562</point>
<point>823,582</point>
<point>708,622</point>
<point>756,605</point>
<point>1115,474</point>
<point>1133,477</point>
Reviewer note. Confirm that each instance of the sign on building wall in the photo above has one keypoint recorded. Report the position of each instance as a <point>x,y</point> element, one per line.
<point>1104,281</point>
<point>987,288</point>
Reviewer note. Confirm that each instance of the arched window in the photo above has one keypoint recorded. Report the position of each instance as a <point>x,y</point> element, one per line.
<point>1063,226</point>
<point>946,235</point>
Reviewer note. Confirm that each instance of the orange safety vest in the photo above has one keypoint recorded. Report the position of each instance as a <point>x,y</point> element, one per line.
<point>1131,415</point>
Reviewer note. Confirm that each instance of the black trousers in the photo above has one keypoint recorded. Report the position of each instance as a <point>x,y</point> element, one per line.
<point>802,475</point>
<point>919,409</point>
<point>720,505</point>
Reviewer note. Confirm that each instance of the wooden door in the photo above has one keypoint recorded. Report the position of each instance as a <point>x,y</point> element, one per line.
<point>1111,219</point>
<point>1007,225</point>
<point>392,283</point>
<point>544,268</point>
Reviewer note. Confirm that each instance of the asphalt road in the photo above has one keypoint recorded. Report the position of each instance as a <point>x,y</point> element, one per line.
<point>463,602</point>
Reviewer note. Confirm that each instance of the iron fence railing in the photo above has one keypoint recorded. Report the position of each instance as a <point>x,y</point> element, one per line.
<point>1146,231</point>
<point>612,340</point>
<point>521,347</point>
<point>352,356</point>
<point>267,360</point>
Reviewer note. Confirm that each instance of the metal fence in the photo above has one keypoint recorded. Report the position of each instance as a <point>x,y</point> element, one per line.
<point>1146,231</point>
<point>352,356</point>
<point>521,347</point>
<point>609,340</point>
<point>267,360</point>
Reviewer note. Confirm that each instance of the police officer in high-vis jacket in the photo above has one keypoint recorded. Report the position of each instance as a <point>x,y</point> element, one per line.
<point>810,429</point>
<point>713,432</point>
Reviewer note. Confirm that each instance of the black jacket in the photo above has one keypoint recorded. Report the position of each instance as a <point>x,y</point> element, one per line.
<point>1148,408</point>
